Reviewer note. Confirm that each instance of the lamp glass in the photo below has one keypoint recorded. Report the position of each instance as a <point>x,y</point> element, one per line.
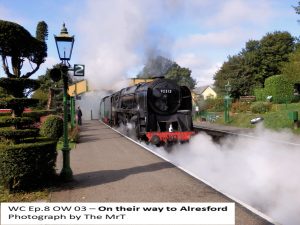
<point>64,47</point>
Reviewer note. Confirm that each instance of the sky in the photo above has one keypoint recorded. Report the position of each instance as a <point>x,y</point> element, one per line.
<point>114,38</point>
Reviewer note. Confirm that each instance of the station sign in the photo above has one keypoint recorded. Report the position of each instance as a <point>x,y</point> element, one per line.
<point>79,70</point>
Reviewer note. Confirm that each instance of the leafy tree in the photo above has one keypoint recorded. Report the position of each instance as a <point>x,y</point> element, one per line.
<point>291,69</point>
<point>237,72</point>
<point>256,62</point>
<point>297,8</point>
<point>181,75</point>
<point>17,44</point>
<point>274,49</point>
<point>42,31</point>
<point>26,159</point>
<point>48,86</point>
<point>160,66</point>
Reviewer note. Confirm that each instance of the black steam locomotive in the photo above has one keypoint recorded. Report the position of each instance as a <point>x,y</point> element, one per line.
<point>160,111</point>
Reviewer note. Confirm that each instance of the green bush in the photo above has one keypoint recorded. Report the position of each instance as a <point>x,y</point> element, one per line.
<point>296,98</point>
<point>37,114</point>
<point>261,107</point>
<point>214,104</point>
<point>17,122</point>
<point>238,107</point>
<point>278,87</point>
<point>17,104</point>
<point>28,165</point>
<point>260,94</point>
<point>16,135</point>
<point>52,127</point>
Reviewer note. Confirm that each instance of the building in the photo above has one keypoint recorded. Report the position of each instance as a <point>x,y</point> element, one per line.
<point>205,92</point>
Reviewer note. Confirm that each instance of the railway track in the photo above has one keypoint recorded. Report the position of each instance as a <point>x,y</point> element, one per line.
<point>219,134</point>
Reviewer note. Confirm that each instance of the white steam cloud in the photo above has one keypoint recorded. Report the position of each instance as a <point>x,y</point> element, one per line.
<point>89,104</point>
<point>262,172</point>
<point>116,39</point>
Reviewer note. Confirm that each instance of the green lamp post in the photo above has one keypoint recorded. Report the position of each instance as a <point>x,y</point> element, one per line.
<point>227,102</point>
<point>64,44</point>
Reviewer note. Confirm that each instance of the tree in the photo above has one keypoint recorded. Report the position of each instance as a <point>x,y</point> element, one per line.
<point>17,44</point>
<point>160,66</point>
<point>274,49</point>
<point>256,62</point>
<point>50,89</point>
<point>291,69</point>
<point>27,160</point>
<point>297,8</point>
<point>181,75</point>
<point>238,73</point>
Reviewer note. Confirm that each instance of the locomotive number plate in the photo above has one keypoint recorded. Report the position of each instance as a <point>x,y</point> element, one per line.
<point>166,91</point>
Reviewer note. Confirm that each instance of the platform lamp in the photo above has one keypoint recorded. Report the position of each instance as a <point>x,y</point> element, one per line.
<point>64,44</point>
<point>227,102</point>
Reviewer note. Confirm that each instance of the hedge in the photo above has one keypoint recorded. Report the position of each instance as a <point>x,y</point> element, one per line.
<point>10,103</point>
<point>260,94</point>
<point>11,84</point>
<point>278,87</point>
<point>17,122</point>
<point>37,114</point>
<point>261,107</point>
<point>13,134</point>
<point>52,127</point>
<point>27,166</point>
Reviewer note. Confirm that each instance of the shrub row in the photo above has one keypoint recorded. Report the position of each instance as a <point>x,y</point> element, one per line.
<point>261,107</point>
<point>216,105</point>
<point>13,134</point>
<point>238,107</point>
<point>27,166</point>
<point>35,115</point>
<point>10,103</point>
<point>17,122</point>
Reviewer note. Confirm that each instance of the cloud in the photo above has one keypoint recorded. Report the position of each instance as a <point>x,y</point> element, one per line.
<point>237,12</point>
<point>203,68</point>
<point>220,39</point>
<point>113,32</point>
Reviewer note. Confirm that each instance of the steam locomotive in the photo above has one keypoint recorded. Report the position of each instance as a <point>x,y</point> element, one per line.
<point>160,111</point>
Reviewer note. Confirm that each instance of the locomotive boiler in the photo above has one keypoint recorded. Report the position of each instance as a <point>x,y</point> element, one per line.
<point>160,111</point>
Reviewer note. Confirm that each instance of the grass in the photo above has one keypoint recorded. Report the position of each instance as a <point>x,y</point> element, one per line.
<point>40,195</point>
<point>60,145</point>
<point>276,119</point>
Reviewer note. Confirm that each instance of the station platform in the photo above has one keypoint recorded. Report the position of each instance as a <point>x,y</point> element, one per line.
<point>107,167</point>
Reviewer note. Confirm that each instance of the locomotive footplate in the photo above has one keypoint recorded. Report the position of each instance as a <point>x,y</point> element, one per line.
<point>167,137</point>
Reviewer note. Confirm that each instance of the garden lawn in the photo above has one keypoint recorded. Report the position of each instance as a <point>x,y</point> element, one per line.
<point>276,119</point>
